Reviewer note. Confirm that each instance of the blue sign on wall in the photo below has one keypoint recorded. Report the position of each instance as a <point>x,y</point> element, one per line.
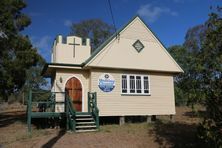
<point>106,82</point>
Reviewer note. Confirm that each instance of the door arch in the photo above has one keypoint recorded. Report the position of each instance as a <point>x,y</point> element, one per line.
<point>74,89</point>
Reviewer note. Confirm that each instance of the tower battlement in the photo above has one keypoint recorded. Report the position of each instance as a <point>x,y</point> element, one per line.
<point>71,39</point>
<point>70,50</point>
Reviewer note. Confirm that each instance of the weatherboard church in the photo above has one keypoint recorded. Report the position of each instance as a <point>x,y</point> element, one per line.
<point>131,73</point>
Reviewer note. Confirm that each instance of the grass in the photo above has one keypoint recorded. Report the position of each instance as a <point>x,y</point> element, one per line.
<point>163,133</point>
<point>18,132</point>
<point>128,127</point>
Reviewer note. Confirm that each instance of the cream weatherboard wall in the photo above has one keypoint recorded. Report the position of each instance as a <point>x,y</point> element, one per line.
<point>117,57</point>
<point>65,75</point>
<point>120,53</point>
<point>159,102</point>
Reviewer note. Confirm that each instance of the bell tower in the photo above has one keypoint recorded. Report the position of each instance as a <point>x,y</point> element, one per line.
<point>70,50</point>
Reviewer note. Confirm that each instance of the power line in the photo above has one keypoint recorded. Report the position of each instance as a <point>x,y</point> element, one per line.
<point>110,8</point>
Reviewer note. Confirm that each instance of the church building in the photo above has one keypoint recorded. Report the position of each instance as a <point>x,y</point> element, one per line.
<point>131,73</point>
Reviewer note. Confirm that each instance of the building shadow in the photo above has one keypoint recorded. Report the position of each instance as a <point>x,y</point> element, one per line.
<point>53,141</point>
<point>178,135</point>
<point>196,114</point>
<point>8,118</point>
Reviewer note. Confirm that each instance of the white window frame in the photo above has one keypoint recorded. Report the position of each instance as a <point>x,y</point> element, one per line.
<point>142,84</point>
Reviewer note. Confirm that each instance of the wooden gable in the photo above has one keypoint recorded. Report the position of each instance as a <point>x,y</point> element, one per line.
<point>124,52</point>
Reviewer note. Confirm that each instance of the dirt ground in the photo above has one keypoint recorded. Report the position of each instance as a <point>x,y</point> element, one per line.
<point>179,132</point>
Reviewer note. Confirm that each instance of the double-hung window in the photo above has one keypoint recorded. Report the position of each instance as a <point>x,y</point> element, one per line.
<point>135,84</point>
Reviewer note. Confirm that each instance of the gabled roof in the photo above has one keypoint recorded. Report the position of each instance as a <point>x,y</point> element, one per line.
<point>103,45</point>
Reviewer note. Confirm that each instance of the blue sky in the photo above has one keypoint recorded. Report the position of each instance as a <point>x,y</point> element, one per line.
<point>168,19</point>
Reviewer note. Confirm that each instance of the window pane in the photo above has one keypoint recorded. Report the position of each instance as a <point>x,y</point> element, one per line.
<point>138,84</point>
<point>146,84</point>
<point>124,84</point>
<point>132,84</point>
<point>146,91</point>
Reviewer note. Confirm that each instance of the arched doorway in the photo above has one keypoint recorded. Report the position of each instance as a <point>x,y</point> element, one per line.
<point>74,89</point>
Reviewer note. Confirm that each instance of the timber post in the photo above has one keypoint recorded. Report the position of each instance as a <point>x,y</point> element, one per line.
<point>97,111</point>
<point>67,112</point>
<point>148,119</point>
<point>121,120</point>
<point>171,118</point>
<point>153,117</point>
<point>89,102</point>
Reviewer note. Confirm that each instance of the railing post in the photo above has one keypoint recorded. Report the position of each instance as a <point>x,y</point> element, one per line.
<point>97,112</point>
<point>88,102</point>
<point>97,120</point>
<point>29,111</point>
<point>95,97</point>
<point>67,112</point>
<point>54,101</point>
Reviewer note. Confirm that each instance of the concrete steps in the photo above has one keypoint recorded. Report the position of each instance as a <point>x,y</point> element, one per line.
<point>85,123</point>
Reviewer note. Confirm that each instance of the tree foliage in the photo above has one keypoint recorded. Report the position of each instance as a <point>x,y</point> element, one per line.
<point>34,79</point>
<point>201,58</point>
<point>182,56</point>
<point>210,129</point>
<point>187,84</point>
<point>95,29</point>
<point>16,51</point>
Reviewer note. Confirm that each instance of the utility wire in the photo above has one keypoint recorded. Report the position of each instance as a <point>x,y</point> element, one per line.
<point>110,8</point>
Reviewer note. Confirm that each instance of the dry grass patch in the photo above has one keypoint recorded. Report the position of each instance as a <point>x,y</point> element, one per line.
<point>163,133</point>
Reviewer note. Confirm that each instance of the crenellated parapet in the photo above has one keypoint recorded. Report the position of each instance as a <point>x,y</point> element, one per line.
<point>70,50</point>
<point>70,40</point>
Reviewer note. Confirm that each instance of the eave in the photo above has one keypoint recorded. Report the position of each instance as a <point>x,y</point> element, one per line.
<point>49,68</point>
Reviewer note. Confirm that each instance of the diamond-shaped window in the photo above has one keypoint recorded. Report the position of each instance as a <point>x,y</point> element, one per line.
<point>138,46</point>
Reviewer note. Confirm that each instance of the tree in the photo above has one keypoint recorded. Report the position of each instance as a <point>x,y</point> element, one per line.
<point>95,29</point>
<point>195,37</point>
<point>181,55</point>
<point>210,130</point>
<point>187,83</point>
<point>16,51</point>
<point>34,79</point>
<point>201,58</point>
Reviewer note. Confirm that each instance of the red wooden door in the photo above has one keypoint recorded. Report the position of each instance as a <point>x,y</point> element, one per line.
<point>74,90</point>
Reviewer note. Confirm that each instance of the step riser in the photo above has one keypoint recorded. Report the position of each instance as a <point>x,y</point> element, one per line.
<point>80,123</point>
<point>81,131</point>
<point>84,119</point>
<point>85,126</point>
<point>83,115</point>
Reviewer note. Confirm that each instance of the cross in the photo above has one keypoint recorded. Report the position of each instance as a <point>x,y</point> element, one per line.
<point>74,47</point>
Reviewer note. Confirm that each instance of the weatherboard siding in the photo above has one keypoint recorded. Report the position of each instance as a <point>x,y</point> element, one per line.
<point>160,102</point>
